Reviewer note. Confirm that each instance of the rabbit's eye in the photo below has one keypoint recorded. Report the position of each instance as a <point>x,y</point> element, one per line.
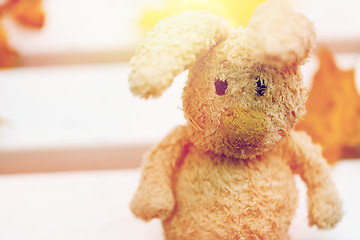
<point>220,87</point>
<point>260,86</point>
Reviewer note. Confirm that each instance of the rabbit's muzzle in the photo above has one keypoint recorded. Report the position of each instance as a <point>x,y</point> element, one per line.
<point>244,128</point>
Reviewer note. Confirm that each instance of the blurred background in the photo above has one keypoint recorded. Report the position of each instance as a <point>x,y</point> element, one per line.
<point>65,104</point>
<point>64,96</point>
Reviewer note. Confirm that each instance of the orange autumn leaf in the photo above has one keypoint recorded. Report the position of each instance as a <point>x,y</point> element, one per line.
<point>333,110</point>
<point>8,56</point>
<point>28,13</point>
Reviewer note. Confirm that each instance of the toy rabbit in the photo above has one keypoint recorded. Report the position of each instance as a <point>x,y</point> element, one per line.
<point>229,173</point>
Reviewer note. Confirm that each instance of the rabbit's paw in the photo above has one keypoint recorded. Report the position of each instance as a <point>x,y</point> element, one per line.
<point>325,209</point>
<point>152,203</point>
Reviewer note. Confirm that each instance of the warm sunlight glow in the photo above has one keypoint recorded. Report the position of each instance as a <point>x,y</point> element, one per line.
<point>237,12</point>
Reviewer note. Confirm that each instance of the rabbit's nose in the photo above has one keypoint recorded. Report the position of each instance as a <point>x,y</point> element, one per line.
<point>242,127</point>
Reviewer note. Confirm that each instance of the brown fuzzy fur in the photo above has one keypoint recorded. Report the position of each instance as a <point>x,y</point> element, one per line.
<point>228,174</point>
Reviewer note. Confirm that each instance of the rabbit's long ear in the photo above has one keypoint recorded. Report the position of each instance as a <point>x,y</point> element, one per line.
<point>170,47</point>
<point>279,35</point>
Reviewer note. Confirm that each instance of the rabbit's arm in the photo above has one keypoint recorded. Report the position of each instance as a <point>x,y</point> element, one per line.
<point>154,197</point>
<point>324,204</point>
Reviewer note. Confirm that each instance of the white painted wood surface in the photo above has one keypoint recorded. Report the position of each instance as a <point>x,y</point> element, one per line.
<point>81,106</point>
<point>95,205</point>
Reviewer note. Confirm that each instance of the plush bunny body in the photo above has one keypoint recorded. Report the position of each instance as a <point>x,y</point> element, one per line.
<point>219,197</point>
<point>228,174</point>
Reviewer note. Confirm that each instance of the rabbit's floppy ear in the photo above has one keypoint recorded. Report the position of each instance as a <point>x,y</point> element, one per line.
<point>170,47</point>
<point>279,35</point>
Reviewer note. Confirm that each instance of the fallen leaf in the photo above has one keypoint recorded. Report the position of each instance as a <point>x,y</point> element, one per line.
<point>8,56</point>
<point>333,110</point>
<point>28,13</point>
